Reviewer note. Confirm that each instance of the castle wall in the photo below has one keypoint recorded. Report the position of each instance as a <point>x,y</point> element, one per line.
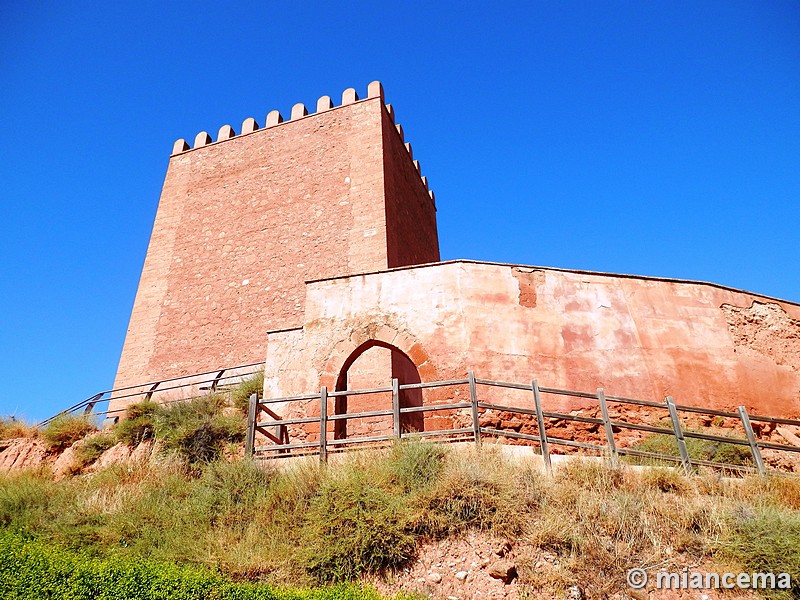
<point>637,337</point>
<point>414,240</point>
<point>243,222</point>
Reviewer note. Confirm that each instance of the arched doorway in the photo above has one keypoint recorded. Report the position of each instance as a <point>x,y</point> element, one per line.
<point>374,364</point>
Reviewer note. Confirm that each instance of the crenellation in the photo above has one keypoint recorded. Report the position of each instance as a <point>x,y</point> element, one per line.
<point>180,145</point>
<point>249,125</point>
<point>375,90</point>
<point>324,103</point>
<point>202,139</point>
<point>226,132</point>
<point>274,118</point>
<point>299,110</point>
<point>349,96</point>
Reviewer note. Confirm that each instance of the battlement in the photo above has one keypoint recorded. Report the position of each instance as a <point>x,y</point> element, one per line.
<point>244,220</point>
<point>299,111</point>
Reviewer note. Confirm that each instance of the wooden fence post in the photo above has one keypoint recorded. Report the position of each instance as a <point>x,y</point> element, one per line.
<point>396,408</point>
<point>323,424</point>
<point>473,398</point>
<point>676,427</point>
<point>537,401</point>
<point>751,439</point>
<point>252,412</point>
<point>612,446</point>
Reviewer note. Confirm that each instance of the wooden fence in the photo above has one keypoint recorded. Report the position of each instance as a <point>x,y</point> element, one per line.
<point>275,428</point>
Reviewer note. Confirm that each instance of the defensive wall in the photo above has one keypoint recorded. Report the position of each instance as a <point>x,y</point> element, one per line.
<point>312,244</point>
<point>638,337</point>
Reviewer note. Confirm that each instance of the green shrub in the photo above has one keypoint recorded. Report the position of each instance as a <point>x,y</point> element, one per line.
<point>659,443</point>
<point>476,491</point>
<point>765,540</point>
<point>90,449</point>
<point>240,396</point>
<point>138,425</point>
<point>198,429</point>
<point>65,430</point>
<point>354,527</point>
<point>415,465</point>
<point>31,570</point>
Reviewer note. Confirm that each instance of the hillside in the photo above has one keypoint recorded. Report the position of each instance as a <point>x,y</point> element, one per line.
<point>440,521</point>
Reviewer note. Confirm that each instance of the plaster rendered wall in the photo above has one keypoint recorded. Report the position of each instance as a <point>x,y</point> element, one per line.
<point>242,223</point>
<point>636,337</point>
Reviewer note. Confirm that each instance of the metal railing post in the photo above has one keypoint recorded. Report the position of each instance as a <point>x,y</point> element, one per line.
<point>323,424</point>
<point>473,398</point>
<point>751,439</point>
<point>612,446</point>
<point>252,411</point>
<point>396,408</point>
<point>676,427</point>
<point>537,401</point>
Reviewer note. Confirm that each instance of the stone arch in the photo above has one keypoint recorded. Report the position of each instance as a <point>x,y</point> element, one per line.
<point>403,365</point>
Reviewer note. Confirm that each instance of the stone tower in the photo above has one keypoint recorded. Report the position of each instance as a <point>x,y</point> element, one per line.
<point>245,220</point>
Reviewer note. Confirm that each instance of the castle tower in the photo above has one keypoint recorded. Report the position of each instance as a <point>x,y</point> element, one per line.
<point>245,220</point>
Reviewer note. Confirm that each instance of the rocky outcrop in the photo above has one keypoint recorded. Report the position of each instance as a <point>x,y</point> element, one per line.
<point>23,453</point>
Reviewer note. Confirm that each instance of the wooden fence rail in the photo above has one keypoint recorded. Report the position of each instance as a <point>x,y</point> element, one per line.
<point>275,429</point>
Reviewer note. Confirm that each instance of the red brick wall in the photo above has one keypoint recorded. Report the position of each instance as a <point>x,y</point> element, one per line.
<point>241,225</point>
<point>412,238</point>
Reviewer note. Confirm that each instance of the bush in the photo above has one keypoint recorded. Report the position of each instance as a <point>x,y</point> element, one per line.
<point>31,570</point>
<point>65,430</point>
<point>659,443</point>
<point>198,429</point>
<point>415,465</point>
<point>11,428</point>
<point>90,449</point>
<point>138,425</point>
<point>240,396</point>
<point>354,527</point>
<point>766,540</point>
<point>475,491</point>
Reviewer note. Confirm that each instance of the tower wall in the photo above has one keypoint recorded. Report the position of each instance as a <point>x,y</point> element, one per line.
<point>243,222</point>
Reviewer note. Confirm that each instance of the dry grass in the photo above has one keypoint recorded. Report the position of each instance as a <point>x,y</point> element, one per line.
<point>306,524</point>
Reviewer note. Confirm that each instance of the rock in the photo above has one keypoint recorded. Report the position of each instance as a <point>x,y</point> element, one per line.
<point>142,452</point>
<point>503,548</point>
<point>575,593</point>
<point>462,575</point>
<point>504,570</point>
<point>787,435</point>
<point>23,453</point>
<point>639,595</point>
<point>66,464</point>
<point>113,456</point>
<point>435,578</point>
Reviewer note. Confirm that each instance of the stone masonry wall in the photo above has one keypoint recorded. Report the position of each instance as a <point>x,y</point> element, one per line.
<point>636,337</point>
<point>242,223</point>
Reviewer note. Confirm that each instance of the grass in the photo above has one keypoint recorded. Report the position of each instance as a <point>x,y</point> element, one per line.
<point>11,428</point>
<point>65,430</point>
<point>240,396</point>
<point>308,525</point>
<point>729,454</point>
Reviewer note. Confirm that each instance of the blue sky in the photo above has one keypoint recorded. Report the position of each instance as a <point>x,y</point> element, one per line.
<point>655,138</point>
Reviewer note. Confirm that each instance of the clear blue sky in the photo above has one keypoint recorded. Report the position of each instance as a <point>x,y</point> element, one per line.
<point>656,138</point>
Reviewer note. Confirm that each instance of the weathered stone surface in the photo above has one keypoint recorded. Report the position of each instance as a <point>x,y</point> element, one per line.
<point>504,570</point>
<point>115,455</point>
<point>66,464</point>
<point>23,453</point>
<point>241,225</point>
